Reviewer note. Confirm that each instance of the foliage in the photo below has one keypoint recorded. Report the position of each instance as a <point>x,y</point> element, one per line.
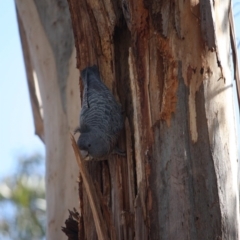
<point>22,201</point>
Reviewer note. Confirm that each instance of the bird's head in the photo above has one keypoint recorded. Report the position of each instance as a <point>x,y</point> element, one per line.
<point>92,145</point>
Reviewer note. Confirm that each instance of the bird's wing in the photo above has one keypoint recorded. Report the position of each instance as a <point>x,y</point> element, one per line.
<point>99,110</point>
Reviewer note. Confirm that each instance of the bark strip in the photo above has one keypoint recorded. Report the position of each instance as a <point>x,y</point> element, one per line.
<point>91,193</point>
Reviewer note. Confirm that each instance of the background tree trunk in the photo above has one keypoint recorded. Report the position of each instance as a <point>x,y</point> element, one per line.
<point>168,63</point>
<point>46,34</point>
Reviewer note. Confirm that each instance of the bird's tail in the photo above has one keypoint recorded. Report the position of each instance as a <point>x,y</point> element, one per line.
<point>90,72</point>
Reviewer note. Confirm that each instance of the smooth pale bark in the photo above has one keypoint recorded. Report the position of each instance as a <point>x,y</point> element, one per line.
<point>49,39</point>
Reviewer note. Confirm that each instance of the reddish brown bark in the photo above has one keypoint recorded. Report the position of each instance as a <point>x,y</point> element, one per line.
<point>154,56</point>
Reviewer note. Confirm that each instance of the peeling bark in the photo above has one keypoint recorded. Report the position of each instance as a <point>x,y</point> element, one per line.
<point>163,90</point>
<point>167,62</point>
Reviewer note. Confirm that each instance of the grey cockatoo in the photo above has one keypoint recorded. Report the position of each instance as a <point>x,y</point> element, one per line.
<point>101,118</point>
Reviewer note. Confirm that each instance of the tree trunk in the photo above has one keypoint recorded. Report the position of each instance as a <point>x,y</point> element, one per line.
<point>48,46</point>
<point>168,64</point>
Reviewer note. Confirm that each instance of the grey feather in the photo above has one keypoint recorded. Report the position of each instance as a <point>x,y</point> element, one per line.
<point>101,117</point>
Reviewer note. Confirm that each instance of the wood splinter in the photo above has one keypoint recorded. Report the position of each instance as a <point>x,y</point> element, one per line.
<point>91,193</point>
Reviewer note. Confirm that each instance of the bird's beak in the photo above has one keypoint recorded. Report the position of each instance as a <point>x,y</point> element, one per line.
<point>84,153</point>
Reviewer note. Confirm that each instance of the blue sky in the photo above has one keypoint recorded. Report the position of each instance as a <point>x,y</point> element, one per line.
<point>17,136</point>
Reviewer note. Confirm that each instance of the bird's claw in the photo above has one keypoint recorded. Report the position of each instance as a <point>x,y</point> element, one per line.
<point>119,151</point>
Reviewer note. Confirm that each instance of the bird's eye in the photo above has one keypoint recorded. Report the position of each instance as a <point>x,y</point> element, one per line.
<point>89,145</point>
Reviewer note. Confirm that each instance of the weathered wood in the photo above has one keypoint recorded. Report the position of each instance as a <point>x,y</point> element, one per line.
<point>164,91</point>
<point>179,177</point>
<point>100,224</point>
<point>71,228</point>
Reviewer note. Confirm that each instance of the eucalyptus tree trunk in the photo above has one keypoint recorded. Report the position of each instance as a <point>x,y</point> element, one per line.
<point>168,64</point>
<point>50,60</point>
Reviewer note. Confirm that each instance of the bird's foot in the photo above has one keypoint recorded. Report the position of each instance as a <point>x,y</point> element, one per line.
<point>119,151</point>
